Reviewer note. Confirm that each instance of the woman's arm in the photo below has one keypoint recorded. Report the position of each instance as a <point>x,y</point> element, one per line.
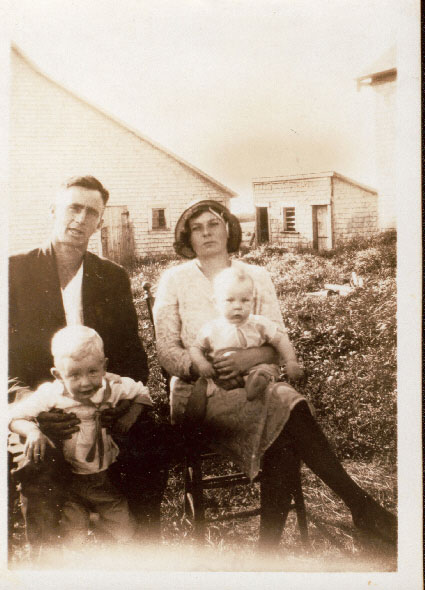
<point>172,355</point>
<point>200,363</point>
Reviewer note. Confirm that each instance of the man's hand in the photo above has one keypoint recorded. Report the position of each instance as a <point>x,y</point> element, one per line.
<point>111,415</point>
<point>123,424</point>
<point>35,445</point>
<point>57,424</point>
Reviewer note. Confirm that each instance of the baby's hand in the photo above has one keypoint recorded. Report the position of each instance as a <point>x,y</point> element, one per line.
<point>35,445</point>
<point>205,369</point>
<point>294,370</point>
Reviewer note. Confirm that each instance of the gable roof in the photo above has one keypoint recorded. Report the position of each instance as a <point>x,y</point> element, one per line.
<point>122,124</point>
<point>384,68</point>
<point>331,174</point>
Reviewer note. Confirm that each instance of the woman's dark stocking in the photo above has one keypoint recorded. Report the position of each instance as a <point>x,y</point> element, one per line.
<point>314,449</point>
<point>279,476</point>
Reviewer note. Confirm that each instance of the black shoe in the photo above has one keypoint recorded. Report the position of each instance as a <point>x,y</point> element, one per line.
<point>375,520</point>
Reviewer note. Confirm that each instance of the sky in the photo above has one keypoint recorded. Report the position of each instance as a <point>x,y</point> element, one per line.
<point>239,88</point>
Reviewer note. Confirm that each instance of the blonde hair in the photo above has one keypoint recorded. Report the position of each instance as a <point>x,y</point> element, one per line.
<point>231,275</point>
<point>74,341</point>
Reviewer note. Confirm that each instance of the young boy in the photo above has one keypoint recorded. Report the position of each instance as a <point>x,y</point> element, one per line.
<point>82,386</point>
<point>237,328</point>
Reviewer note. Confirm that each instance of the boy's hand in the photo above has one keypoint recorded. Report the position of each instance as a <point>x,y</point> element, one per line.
<point>35,445</point>
<point>294,370</point>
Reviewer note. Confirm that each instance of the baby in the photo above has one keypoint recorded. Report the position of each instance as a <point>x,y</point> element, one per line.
<point>81,386</point>
<point>238,328</point>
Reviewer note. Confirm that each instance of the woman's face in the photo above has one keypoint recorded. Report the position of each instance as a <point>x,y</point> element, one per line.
<point>208,235</point>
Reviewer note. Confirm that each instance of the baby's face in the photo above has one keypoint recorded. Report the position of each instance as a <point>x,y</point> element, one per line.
<point>82,376</point>
<point>236,301</point>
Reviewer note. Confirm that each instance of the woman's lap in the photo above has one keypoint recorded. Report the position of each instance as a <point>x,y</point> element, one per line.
<point>239,429</point>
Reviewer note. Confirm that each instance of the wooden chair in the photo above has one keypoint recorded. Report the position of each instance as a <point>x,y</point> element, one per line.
<point>196,481</point>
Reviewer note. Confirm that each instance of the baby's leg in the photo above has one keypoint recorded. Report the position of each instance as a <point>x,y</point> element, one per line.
<point>255,384</point>
<point>258,379</point>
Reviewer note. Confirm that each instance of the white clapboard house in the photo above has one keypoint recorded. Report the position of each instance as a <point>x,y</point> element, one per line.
<point>55,134</point>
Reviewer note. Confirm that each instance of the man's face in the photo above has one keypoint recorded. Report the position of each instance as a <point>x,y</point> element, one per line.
<point>77,214</point>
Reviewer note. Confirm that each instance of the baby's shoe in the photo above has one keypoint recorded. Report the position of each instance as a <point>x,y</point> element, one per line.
<point>256,383</point>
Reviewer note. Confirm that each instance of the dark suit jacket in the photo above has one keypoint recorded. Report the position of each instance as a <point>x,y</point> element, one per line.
<point>36,312</point>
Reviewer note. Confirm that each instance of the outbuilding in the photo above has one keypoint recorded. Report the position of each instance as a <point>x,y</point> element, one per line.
<point>315,210</point>
<point>56,134</point>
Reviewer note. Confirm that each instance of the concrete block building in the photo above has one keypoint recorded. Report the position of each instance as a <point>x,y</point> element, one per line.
<point>315,210</point>
<point>54,134</point>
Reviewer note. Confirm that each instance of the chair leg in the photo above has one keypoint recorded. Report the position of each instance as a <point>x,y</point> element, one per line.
<point>194,497</point>
<point>301,511</point>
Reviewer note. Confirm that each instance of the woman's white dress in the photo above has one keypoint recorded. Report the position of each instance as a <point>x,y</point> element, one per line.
<point>239,429</point>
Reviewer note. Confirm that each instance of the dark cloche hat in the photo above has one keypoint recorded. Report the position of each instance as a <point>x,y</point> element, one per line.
<point>182,232</point>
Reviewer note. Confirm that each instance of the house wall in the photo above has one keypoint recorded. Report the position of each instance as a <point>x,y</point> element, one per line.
<point>354,211</point>
<point>298,193</point>
<point>54,135</point>
<point>385,138</point>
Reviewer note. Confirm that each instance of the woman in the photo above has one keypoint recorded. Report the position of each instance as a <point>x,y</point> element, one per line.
<point>277,428</point>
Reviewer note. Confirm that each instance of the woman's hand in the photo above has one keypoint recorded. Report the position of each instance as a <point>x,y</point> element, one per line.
<point>232,363</point>
<point>35,445</point>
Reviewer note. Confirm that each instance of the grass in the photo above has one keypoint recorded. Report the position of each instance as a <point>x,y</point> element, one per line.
<point>348,348</point>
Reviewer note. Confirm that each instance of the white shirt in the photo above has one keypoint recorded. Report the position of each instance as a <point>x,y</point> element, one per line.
<point>72,297</point>
<point>220,334</point>
<point>53,395</point>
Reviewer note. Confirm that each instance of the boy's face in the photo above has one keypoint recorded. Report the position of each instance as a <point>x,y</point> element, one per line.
<point>82,376</point>
<point>236,301</point>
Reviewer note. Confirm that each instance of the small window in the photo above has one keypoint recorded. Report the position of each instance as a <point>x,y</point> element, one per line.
<point>289,219</point>
<point>158,219</point>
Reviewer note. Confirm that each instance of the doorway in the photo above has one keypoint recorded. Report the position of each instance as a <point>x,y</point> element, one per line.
<point>117,243</point>
<point>262,225</point>
<point>320,227</point>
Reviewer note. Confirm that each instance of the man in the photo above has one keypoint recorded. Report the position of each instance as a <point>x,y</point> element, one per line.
<point>62,284</point>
